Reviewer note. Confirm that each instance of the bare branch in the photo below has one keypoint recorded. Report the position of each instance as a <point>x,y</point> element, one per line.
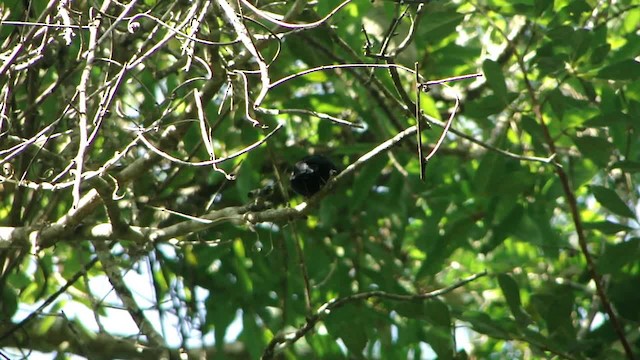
<point>284,24</point>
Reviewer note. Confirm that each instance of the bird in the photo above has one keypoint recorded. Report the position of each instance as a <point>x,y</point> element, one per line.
<point>311,173</point>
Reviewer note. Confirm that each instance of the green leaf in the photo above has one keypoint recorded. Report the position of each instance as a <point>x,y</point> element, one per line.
<point>504,228</point>
<point>528,230</point>
<point>624,70</point>
<point>599,54</point>
<point>484,324</point>
<point>609,119</point>
<point>531,126</point>
<point>488,105</point>
<point>495,78</point>
<point>625,296</point>
<point>348,323</point>
<point>561,34</point>
<point>617,256</point>
<point>254,336</point>
<point>606,227</point>
<point>594,148</point>
<point>220,314</point>
<point>555,305</point>
<point>442,247</point>
<point>512,295</point>
<point>410,309</point>
<point>324,347</point>
<point>355,340</point>
<point>365,180</point>
<point>575,8</point>
<point>439,334</point>
<point>627,166</point>
<point>537,338</point>
<point>610,200</point>
<point>443,24</point>
<point>245,281</point>
<point>437,313</point>
<point>542,5</point>
<point>9,303</point>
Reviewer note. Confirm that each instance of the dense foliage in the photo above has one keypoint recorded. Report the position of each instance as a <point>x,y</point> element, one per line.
<point>145,208</point>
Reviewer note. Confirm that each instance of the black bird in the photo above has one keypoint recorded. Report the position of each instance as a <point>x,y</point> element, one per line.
<point>311,173</point>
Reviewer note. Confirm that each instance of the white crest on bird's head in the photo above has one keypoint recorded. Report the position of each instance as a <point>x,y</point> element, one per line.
<point>303,168</point>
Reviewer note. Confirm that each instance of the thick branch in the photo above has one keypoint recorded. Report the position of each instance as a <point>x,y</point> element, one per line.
<point>76,339</point>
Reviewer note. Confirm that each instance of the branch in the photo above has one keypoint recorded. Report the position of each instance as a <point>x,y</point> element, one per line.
<point>83,144</point>
<point>49,300</point>
<point>246,213</point>
<point>101,346</point>
<point>570,196</point>
<point>163,154</point>
<point>323,311</point>
<point>278,215</point>
<point>27,38</point>
<point>246,40</point>
<point>284,24</point>
<point>112,270</point>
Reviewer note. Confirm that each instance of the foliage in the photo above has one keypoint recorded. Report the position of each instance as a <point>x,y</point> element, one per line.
<point>133,136</point>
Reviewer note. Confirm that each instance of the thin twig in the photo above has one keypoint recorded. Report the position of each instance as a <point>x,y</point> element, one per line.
<point>418,117</point>
<point>445,131</point>
<point>205,134</point>
<point>245,150</point>
<point>19,47</point>
<point>284,24</point>
<point>41,24</point>
<point>317,114</point>
<point>246,97</point>
<point>337,66</point>
<point>50,299</point>
<point>245,38</point>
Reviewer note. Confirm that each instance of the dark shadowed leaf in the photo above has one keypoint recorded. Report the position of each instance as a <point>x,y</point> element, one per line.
<point>495,78</point>
<point>627,166</point>
<point>617,256</point>
<point>594,148</point>
<point>607,227</point>
<point>610,199</point>
<point>624,70</point>
<point>511,293</point>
